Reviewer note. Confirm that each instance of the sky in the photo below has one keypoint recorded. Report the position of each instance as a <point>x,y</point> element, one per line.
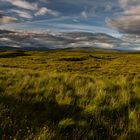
<point>114,17</point>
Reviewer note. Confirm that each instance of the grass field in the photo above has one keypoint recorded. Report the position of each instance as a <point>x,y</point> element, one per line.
<point>69,95</point>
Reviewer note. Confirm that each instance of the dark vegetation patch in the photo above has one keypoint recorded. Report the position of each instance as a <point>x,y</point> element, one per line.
<point>74,59</point>
<point>13,54</point>
<point>83,58</point>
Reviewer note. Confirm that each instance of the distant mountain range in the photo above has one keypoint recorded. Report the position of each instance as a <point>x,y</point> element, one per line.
<point>23,40</point>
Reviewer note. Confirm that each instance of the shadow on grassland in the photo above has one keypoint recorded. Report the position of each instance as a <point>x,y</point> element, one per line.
<point>18,117</point>
<point>21,119</point>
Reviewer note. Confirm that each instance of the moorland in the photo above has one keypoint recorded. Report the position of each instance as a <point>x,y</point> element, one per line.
<point>69,94</point>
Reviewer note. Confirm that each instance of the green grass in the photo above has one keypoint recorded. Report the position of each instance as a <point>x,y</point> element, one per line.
<point>62,95</point>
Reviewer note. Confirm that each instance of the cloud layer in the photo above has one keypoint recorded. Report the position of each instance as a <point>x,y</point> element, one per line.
<point>120,15</point>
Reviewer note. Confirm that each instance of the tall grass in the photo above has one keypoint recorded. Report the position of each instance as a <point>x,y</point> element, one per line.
<point>40,106</point>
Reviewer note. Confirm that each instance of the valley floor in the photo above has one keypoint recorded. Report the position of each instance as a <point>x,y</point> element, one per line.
<point>69,94</point>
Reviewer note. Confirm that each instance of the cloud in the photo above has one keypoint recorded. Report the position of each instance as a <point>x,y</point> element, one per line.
<point>42,11</point>
<point>22,4</point>
<point>84,14</point>
<point>128,21</point>
<point>88,12</point>
<point>131,7</point>
<point>128,3</point>
<point>22,14</point>
<point>133,11</point>
<point>7,19</point>
<point>25,10</point>
<point>126,24</point>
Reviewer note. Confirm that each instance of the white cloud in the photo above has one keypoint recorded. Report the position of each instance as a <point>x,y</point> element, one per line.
<point>24,9</point>
<point>42,11</point>
<point>22,14</point>
<point>22,4</point>
<point>88,12</point>
<point>84,14</point>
